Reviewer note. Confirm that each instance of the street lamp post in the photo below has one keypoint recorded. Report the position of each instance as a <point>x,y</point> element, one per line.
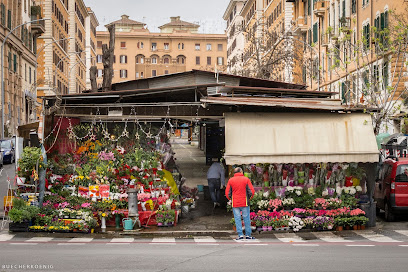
<point>2,70</point>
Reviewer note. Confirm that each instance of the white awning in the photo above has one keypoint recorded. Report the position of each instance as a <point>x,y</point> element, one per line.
<point>299,138</point>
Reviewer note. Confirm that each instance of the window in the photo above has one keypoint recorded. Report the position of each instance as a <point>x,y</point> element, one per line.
<point>123,73</point>
<point>208,46</point>
<point>99,58</point>
<point>99,44</point>
<point>181,46</point>
<point>100,73</point>
<point>122,44</point>
<point>15,63</point>
<point>197,46</point>
<point>154,60</point>
<point>154,46</point>
<point>123,59</point>
<point>208,60</point>
<point>29,75</point>
<point>353,6</point>
<point>366,36</point>
<point>166,46</point>
<point>220,61</point>
<point>166,60</point>
<point>139,59</point>
<point>166,72</point>
<point>154,73</point>
<point>140,45</point>
<point>197,60</point>
<point>220,47</point>
<point>180,59</point>
<point>137,74</point>
<point>141,75</point>
<point>385,75</point>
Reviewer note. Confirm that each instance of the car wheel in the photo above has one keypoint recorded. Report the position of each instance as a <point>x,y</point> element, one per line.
<point>389,215</point>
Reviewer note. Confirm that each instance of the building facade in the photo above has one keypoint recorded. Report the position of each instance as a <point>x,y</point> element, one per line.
<point>260,39</point>
<point>66,50</point>
<point>19,62</point>
<point>178,47</point>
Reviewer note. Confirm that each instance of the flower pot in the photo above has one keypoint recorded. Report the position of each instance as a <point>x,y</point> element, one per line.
<point>347,227</point>
<point>339,228</point>
<point>234,228</point>
<point>264,228</point>
<point>270,228</point>
<point>358,227</point>
<point>355,227</point>
<point>19,227</point>
<point>117,221</point>
<point>159,224</point>
<point>362,227</point>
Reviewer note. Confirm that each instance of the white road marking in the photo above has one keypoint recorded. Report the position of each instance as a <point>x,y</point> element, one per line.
<point>84,240</point>
<point>289,238</point>
<point>204,239</point>
<point>360,245</point>
<point>329,237</point>
<point>403,245</point>
<point>164,240</point>
<point>6,237</point>
<point>255,244</point>
<point>122,240</point>
<point>312,245</point>
<point>375,237</point>
<point>70,244</point>
<point>19,244</point>
<point>40,239</point>
<point>403,232</point>
<point>205,244</point>
<point>118,243</point>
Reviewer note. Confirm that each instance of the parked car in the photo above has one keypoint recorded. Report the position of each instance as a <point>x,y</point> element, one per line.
<point>391,189</point>
<point>1,159</point>
<point>8,150</point>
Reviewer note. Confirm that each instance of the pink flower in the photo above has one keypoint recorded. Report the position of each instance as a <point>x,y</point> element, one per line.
<point>357,212</point>
<point>86,205</point>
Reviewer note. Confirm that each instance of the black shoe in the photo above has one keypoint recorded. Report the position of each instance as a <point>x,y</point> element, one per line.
<point>240,238</point>
<point>250,237</point>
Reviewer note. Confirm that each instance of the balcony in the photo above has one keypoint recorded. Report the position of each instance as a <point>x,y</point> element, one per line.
<point>325,39</point>
<point>300,25</point>
<point>320,8</point>
<point>38,27</point>
<point>345,24</point>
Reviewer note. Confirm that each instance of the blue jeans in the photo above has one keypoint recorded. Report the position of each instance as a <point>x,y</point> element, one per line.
<point>247,220</point>
<point>214,186</point>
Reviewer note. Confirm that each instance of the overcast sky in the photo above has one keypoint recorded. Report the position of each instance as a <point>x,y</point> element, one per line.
<point>207,13</point>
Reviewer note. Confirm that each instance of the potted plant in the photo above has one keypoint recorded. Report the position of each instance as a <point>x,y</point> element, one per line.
<point>20,215</point>
<point>232,222</point>
<point>30,159</point>
<point>339,222</point>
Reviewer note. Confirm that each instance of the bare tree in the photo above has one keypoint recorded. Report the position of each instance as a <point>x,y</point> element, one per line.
<point>93,71</point>
<point>371,69</point>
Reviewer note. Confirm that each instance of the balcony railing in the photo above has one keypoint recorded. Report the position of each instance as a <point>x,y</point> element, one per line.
<point>345,23</point>
<point>320,8</point>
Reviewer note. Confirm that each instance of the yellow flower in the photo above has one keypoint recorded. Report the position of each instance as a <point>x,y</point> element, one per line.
<point>81,177</point>
<point>103,214</point>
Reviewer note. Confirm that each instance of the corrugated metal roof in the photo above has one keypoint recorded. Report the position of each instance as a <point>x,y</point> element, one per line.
<point>317,104</point>
<point>280,91</point>
<point>299,138</point>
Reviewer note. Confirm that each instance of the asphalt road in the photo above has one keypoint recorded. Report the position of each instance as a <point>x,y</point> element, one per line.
<point>233,256</point>
<point>8,171</point>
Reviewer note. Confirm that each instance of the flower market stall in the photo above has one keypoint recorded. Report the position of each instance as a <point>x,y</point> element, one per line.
<point>308,171</point>
<point>87,185</point>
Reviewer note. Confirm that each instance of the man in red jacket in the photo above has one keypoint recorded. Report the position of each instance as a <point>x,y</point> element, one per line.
<point>240,190</point>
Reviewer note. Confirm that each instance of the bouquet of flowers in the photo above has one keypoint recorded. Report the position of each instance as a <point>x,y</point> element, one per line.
<point>274,204</point>
<point>323,222</point>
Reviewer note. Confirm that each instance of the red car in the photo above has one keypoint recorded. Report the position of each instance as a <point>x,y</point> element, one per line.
<point>391,188</point>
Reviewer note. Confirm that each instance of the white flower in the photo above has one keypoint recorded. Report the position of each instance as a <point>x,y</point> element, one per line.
<point>266,194</point>
<point>290,188</point>
<point>359,189</point>
<point>325,192</point>
<point>346,190</point>
<point>339,190</point>
<point>352,191</point>
<point>298,193</point>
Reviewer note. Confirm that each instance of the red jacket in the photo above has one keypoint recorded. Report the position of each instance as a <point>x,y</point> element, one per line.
<point>239,190</point>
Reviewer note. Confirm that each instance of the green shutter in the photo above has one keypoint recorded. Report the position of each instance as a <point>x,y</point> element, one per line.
<point>315,33</point>
<point>382,21</point>
<point>344,8</point>
<point>15,63</point>
<point>3,14</point>
<point>9,19</point>
<point>368,36</point>
<point>309,36</point>
<point>386,19</point>
<point>9,61</point>
<point>343,93</point>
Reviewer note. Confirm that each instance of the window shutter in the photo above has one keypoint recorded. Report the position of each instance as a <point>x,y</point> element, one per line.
<point>343,93</point>
<point>9,19</point>
<point>385,75</point>
<point>386,19</point>
<point>315,32</point>
<point>382,21</point>
<point>344,8</point>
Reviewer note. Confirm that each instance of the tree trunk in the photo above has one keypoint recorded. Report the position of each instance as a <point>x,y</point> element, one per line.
<point>108,58</point>
<point>93,71</point>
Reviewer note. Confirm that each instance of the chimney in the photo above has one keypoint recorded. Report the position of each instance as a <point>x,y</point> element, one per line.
<point>125,17</point>
<point>175,19</point>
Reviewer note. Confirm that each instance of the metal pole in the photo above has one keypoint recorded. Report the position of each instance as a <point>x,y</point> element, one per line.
<point>2,71</point>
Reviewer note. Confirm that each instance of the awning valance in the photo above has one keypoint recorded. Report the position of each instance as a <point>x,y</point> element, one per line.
<point>299,138</point>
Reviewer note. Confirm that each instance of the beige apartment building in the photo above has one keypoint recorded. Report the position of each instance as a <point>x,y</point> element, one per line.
<point>19,62</point>
<point>178,47</point>
<point>67,49</point>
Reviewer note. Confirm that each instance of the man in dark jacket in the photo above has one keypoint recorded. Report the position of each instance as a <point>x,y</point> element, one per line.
<point>240,190</point>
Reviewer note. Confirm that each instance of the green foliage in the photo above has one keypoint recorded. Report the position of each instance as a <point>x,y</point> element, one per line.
<point>21,212</point>
<point>30,158</point>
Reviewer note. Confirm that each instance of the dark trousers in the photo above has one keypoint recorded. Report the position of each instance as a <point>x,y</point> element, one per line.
<point>214,186</point>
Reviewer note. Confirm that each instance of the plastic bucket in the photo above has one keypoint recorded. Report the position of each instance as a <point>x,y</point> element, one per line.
<point>200,188</point>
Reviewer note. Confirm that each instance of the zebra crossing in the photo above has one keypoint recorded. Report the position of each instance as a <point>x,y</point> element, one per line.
<point>350,238</point>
